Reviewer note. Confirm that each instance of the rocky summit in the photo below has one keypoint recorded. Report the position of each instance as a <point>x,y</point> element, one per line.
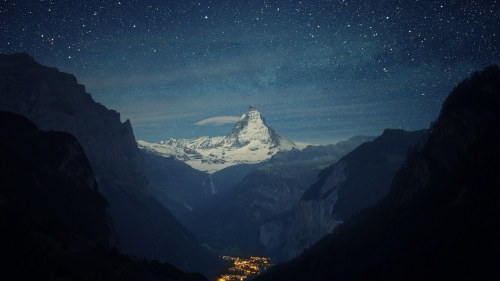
<point>250,141</point>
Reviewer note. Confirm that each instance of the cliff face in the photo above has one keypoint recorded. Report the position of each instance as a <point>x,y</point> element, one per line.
<point>54,223</point>
<point>309,221</point>
<point>46,177</point>
<point>357,180</point>
<point>55,101</point>
<point>465,117</point>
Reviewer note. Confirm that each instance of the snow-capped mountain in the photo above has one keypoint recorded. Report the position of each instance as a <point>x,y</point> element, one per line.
<point>250,141</point>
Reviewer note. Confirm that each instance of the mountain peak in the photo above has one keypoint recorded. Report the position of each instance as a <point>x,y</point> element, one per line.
<point>250,141</point>
<point>252,108</point>
<point>252,127</point>
<point>253,115</point>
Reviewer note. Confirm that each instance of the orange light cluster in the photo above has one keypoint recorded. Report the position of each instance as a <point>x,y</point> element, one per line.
<point>242,267</point>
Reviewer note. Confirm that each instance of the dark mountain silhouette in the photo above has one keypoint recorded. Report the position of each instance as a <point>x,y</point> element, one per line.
<point>55,101</point>
<point>440,220</point>
<point>47,174</point>
<point>54,223</point>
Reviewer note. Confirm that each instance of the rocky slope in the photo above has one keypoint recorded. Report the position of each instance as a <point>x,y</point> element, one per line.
<point>440,217</point>
<point>54,223</point>
<point>55,101</point>
<point>231,222</point>
<point>356,181</point>
<point>250,141</point>
<point>47,177</point>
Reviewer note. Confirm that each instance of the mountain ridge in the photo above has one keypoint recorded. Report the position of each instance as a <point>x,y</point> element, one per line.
<point>250,141</point>
<point>54,100</point>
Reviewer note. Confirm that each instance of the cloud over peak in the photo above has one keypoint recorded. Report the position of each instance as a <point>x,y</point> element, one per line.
<point>218,120</point>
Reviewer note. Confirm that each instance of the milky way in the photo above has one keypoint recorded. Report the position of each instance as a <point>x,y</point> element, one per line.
<point>319,71</point>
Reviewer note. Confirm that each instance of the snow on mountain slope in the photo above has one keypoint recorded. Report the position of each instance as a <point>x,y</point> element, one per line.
<point>250,141</point>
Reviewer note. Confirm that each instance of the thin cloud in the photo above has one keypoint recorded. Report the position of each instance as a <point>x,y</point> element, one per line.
<point>219,120</point>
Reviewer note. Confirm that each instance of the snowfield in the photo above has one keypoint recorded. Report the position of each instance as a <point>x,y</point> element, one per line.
<point>250,141</point>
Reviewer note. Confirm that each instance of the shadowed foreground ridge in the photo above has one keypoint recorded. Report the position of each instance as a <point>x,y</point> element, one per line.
<point>54,223</point>
<point>440,218</point>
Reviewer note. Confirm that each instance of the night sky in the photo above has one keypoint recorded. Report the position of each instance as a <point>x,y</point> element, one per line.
<point>319,71</point>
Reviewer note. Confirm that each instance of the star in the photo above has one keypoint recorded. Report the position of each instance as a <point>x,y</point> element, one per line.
<point>187,69</point>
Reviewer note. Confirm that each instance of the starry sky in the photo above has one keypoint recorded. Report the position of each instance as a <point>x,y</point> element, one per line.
<point>319,71</point>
